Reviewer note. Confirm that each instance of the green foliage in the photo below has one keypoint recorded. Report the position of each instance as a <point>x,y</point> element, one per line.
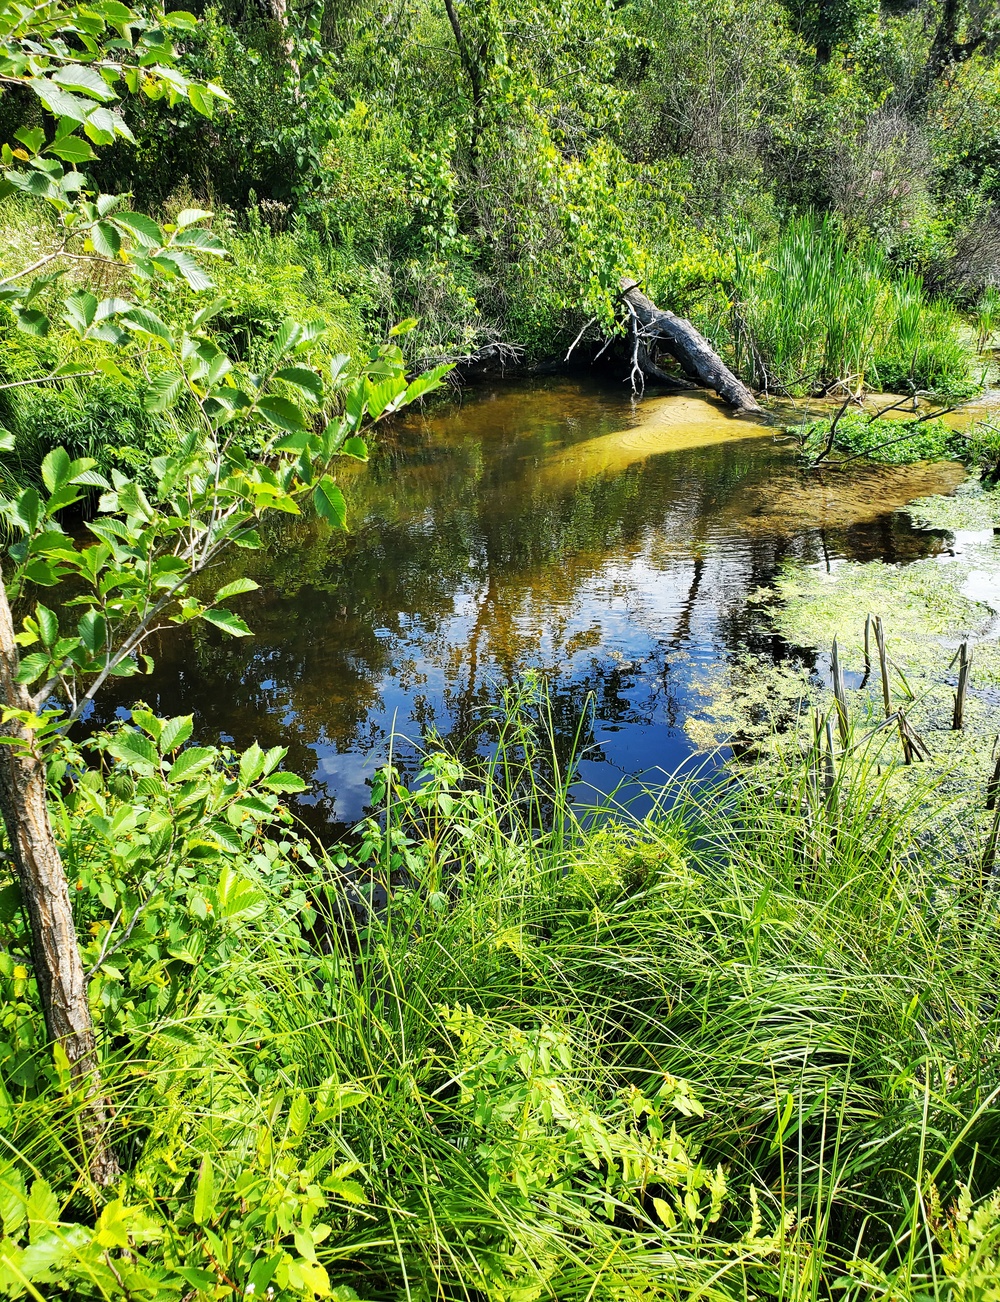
<point>893,442</point>
<point>516,1075</point>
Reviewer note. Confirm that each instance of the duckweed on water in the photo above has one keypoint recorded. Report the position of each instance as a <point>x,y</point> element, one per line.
<point>971,507</point>
<point>927,609</point>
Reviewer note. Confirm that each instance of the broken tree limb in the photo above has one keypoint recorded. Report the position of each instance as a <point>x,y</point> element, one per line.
<point>679,337</point>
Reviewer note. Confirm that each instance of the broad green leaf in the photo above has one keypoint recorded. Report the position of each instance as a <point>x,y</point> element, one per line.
<point>190,761</point>
<point>427,383</point>
<point>142,228</point>
<point>176,732</point>
<point>148,722</point>
<point>188,216</point>
<point>329,503</point>
<point>32,667</point>
<point>106,240</point>
<point>356,448</point>
<point>235,589</point>
<point>32,322</point>
<point>147,323</point>
<point>93,632</point>
<point>133,748</point>
<point>61,103</point>
<point>200,239</point>
<point>228,622</point>
<point>81,308</point>
<point>177,263</point>
<point>164,391</point>
<point>72,150</point>
<point>303,379</point>
<point>48,624</point>
<point>299,1114</point>
<point>404,327</point>
<point>251,765</point>
<point>78,77</point>
<point>285,782</point>
<point>56,469</point>
<point>282,413</point>
<point>42,1209</point>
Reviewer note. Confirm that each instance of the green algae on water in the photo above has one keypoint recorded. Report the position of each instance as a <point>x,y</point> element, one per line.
<point>970,507</point>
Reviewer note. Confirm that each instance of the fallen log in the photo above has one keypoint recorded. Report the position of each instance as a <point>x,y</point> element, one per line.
<point>679,338</point>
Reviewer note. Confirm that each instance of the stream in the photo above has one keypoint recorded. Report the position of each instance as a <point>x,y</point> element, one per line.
<point>556,525</point>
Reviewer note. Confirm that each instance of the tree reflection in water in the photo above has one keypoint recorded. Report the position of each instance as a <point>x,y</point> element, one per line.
<point>553,525</point>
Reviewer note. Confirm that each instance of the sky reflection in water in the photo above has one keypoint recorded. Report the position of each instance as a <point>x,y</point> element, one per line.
<point>554,525</point>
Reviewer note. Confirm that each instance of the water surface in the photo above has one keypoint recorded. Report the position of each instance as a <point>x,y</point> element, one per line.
<point>555,525</point>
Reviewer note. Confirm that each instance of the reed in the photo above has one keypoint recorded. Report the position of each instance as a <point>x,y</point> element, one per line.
<point>813,311</point>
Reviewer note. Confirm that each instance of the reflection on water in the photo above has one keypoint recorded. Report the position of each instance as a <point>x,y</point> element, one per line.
<point>554,525</point>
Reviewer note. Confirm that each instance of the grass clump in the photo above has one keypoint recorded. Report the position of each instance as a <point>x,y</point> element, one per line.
<point>743,1049</point>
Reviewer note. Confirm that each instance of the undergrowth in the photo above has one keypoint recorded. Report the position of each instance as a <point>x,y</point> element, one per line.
<point>500,1049</point>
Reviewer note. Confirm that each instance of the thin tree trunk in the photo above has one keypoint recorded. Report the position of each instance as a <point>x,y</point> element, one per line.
<point>697,358</point>
<point>58,967</point>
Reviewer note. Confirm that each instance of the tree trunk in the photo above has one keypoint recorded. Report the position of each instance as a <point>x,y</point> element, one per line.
<point>58,968</point>
<point>679,337</point>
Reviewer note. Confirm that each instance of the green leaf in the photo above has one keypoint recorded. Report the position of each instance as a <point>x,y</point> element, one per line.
<point>282,413</point>
<point>200,239</point>
<point>27,510</point>
<point>235,589</point>
<point>356,448</point>
<point>88,80</point>
<point>228,622</point>
<point>93,632</point>
<point>72,150</point>
<point>177,263</point>
<point>188,217</point>
<point>32,322</point>
<point>204,1194</point>
<point>56,469</point>
<point>81,308</point>
<point>147,323</point>
<point>60,102</point>
<point>176,732</point>
<point>133,748</point>
<point>302,378</point>
<point>404,327</point>
<point>299,1114</point>
<point>48,624</point>
<point>330,504</point>
<point>164,391</point>
<point>32,667</point>
<point>31,137</point>
<point>43,1209</point>
<point>105,240</point>
<point>142,228</point>
<point>148,722</point>
<point>285,783</point>
<point>190,761</point>
<point>426,383</point>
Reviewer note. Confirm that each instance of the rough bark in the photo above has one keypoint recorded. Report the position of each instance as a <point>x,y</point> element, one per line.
<point>58,968</point>
<point>679,337</point>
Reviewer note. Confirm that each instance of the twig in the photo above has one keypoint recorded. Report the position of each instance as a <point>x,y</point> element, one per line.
<point>964,669</point>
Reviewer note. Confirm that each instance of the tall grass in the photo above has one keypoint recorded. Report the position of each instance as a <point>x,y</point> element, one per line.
<point>812,310</point>
<point>505,1004</point>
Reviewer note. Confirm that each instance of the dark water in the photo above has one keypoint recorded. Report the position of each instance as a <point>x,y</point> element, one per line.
<point>554,525</point>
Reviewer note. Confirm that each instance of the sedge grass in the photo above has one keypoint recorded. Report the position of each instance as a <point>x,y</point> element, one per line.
<point>821,982</point>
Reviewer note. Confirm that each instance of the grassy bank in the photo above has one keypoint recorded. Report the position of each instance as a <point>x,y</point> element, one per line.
<point>745,1049</point>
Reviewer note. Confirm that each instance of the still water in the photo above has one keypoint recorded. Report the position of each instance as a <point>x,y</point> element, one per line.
<point>609,543</point>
